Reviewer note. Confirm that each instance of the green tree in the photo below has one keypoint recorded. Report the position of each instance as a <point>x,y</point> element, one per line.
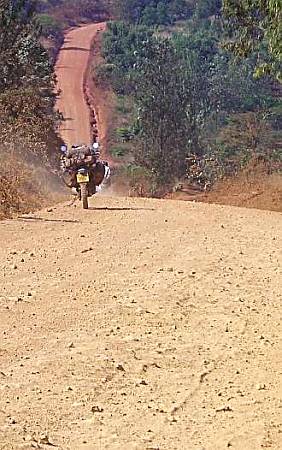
<point>50,27</point>
<point>23,59</point>
<point>256,29</point>
<point>186,88</point>
<point>180,9</point>
<point>129,10</point>
<point>121,44</point>
<point>152,12</point>
<point>175,99</point>
<point>198,54</point>
<point>161,95</point>
<point>207,8</point>
<point>27,119</point>
<point>149,16</point>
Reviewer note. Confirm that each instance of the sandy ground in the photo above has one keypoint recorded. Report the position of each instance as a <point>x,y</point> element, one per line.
<point>141,324</point>
<point>70,70</point>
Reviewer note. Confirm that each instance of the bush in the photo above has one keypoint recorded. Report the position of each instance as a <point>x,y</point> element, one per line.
<point>103,74</point>
<point>123,105</point>
<point>72,12</point>
<point>125,134</point>
<point>19,191</point>
<point>118,152</point>
<point>222,163</point>
<point>190,95</point>
<point>152,12</point>
<point>140,181</point>
<point>50,27</point>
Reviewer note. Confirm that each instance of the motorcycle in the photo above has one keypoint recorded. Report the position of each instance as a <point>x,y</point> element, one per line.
<point>83,173</point>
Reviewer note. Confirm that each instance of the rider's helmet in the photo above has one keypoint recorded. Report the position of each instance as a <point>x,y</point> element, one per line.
<point>95,146</point>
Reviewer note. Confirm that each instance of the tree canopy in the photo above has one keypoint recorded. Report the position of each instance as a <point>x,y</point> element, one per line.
<point>27,119</point>
<point>152,12</point>
<point>256,28</point>
<point>23,59</point>
<point>186,88</point>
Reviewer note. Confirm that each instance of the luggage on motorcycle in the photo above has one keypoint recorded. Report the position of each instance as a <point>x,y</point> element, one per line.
<point>77,150</point>
<point>80,155</point>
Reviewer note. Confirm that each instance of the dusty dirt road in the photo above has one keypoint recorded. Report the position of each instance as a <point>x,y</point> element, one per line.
<point>70,70</point>
<point>141,324</point>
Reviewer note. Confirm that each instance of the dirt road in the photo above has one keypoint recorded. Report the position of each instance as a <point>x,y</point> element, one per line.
<point>141,324</point>
<point>70,70</point>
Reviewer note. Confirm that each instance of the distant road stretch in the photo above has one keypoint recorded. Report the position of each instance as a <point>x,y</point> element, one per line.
<point>70,70</point>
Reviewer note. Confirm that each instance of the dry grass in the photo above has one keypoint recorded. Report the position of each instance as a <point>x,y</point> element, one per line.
<point>254,187</point>
<point>252,190</point>
<point>25,188</point>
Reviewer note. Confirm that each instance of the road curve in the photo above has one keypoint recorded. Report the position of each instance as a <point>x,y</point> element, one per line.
<point>70,71</point>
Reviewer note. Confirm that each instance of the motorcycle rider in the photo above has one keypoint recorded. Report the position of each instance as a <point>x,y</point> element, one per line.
<point>99,170</point>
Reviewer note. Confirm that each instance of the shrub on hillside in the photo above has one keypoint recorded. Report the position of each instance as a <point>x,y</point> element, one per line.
<point>50,27</point>
<point>73,12</point>
<point>28,123</point>
<point>19,191</point>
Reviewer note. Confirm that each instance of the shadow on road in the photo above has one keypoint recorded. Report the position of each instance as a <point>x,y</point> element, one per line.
<point>106,208</point>
<point>42,219</point>
<point>81,49</point>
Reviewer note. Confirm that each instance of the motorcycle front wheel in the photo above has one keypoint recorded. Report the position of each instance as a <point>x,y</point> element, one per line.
<point>84,195</point>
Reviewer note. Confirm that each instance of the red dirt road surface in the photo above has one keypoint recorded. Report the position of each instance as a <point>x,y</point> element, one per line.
<point>70,69</point>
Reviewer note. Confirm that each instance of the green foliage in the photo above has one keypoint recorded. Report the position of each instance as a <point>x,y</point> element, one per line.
<point>73,12</point>
<point>123,107</point>
<point>125,134</point>
<point>140,180</point>
<point>207,8</point>
<point>152,12</point>
<point>118,152</point>
<point>23,59</point>
<point>120,44</point>
<point>172,104</point>
<point>250,134</point>
<point>191,95</point>
<point>50,27</point>
<point>257,29</point>
<point>245,138</point>
<point>27,121</point>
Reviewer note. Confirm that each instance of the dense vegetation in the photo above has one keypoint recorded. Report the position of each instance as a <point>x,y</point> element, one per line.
<point>54,16</point>
<point>152,12</point>
<point>193,100</point>
<point>256,28</point>
<point>27,119</point>
<point>72,12</point>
